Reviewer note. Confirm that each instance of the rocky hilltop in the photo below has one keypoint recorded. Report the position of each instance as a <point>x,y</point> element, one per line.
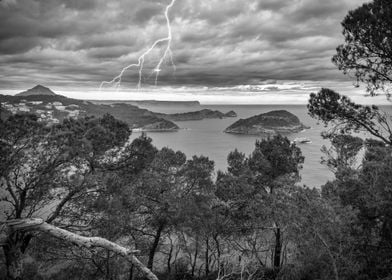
<point>270,123</point>
<point>198,115</point>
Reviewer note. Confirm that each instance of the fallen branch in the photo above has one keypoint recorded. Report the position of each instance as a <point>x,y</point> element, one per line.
<point>88,242</point>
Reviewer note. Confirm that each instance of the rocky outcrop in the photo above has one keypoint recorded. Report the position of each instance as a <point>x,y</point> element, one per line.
<point>270,123</point>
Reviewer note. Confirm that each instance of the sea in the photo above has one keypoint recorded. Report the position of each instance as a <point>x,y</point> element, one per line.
<point>207,137</point>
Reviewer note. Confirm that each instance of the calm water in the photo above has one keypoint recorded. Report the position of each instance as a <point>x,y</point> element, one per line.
<point>206,137</point>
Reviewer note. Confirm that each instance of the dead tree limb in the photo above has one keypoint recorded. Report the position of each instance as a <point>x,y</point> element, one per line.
<point>88,242</point>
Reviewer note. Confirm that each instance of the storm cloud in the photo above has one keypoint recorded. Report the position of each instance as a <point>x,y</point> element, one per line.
<point>73,43</point>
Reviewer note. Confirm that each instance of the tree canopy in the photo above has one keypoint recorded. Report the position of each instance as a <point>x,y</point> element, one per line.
<point>44,169</point>
<point>341,115</point>
<point>367,50</point>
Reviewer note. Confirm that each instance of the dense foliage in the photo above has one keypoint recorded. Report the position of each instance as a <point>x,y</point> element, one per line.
<point>253,221</point>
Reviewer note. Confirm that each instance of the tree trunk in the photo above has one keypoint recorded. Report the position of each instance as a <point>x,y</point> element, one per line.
<point>13,259</point>
<point>218,250</point>
<point>14,248</point>
<point>278,249</point>
<point>154,246</point>
<point>107,265</point>
<point>195,256</point>
<point>207,259</point>
<point>131,272</point>
<point>169,258</point>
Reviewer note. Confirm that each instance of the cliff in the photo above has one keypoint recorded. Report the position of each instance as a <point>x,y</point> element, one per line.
<point>269,123</point>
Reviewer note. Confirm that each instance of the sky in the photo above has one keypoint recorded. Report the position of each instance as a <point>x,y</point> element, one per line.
<point>223,51</point>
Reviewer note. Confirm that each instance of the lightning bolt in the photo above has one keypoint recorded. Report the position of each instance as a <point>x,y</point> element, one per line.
<point>116,81</point>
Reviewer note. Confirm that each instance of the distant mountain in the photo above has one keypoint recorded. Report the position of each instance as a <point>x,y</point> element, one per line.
<point>146,103</point>
<point>273,122</point>
<point>37,90</point>
<point>165,103</point>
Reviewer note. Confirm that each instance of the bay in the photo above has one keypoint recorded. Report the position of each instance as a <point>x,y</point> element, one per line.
<point>206,137</point>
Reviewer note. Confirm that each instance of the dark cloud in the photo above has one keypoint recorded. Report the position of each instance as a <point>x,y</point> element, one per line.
<point>320,10</point>
<point>80,5</point>
<point>272,5</point>
<point>145,14</point>
<point>17,45</point>
<point>215,42</point>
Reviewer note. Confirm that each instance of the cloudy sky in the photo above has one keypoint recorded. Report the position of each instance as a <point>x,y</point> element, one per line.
<point>250,49</point>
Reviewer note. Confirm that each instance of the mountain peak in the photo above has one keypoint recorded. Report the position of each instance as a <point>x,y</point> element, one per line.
<point>40,87</point>
<point>37,90</point>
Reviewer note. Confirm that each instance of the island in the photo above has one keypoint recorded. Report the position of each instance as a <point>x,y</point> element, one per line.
<point>273,122</point>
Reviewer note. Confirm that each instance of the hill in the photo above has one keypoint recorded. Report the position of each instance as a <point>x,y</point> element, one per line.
<point>273,122</point>
<point>37,90</point>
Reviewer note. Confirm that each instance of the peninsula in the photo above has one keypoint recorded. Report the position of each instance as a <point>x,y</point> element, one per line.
<point>53,108</point>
